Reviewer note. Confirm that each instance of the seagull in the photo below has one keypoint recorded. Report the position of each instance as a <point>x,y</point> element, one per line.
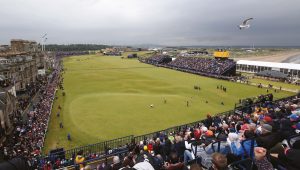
<point>44,35</point>
<point>245,24</point>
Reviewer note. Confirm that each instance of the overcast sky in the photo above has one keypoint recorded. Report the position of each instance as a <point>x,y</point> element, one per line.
<point>165,22</point>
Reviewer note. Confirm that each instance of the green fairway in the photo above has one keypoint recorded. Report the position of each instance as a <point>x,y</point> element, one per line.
<point>276,84</point>
<point>110,97</point>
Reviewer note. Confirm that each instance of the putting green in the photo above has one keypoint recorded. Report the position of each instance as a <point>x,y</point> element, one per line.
<point>99,109</point>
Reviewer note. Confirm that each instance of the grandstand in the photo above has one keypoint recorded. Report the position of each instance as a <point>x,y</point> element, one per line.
<point>211,67</point>
<point>205,65</point>
<point>158,59</point>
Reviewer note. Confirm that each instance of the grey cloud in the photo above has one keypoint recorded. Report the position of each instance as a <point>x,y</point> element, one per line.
<point>167,22</point>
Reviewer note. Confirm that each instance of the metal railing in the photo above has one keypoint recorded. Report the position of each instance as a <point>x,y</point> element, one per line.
<point>105,147</point>
<point>100,148</point>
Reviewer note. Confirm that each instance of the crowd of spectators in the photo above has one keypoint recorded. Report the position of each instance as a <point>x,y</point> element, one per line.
<point>27,139</point>
<point>29,92</point>
<point>70,53</point>
<point>158,59</point>
<point>218,68</point>
<point>204,65</point>
<point>260,135</point>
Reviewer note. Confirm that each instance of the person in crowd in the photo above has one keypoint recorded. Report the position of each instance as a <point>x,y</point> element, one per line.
<point>224,147</point>
<point>145,165</point>
<point>268,139</point>
<point>219,162</point>
<point>88,167</point>
<point>261,161</point>
<point>179,146</point>
<point>287,157</point>
<point>194,149</point>
<point>243,148</point>
<point>174,163</point>
<point>158,148</point>
<point>195,166</point>
<point>79,160</point>
<point>117,164</point>
<point>208,121</point>
<point>167,146</point>
<point>128,161</point>
<point>286,129</point>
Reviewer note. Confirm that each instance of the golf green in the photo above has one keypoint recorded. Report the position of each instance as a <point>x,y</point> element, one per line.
<point>109,97</point>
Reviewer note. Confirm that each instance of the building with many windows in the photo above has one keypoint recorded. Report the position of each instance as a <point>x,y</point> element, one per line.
<point>19,71</point>
<point>19,64</point>
<point>291,69</point>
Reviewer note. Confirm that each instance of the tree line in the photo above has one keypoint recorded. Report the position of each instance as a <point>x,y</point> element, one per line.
<point>75,47</point>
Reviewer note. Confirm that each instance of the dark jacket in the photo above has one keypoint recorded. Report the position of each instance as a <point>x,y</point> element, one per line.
<point>158,149</point>
<point>286,129</point>
<point>179,148</point>
<point>268,140</point>
<point>291,159</point>
<point>167,147</point>
<point>116,166</point>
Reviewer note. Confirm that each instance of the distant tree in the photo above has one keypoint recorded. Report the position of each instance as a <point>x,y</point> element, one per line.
<point>75,47</point>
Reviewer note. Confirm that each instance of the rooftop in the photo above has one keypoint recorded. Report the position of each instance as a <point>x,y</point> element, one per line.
<point>270,64</point>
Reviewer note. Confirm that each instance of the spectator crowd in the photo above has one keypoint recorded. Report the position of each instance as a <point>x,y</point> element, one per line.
<point>70,53</point>
<point>264,136</point>
<point>158,59</point>
<point>219,68</point>
<point>27,139</point>
<point>204,65</point>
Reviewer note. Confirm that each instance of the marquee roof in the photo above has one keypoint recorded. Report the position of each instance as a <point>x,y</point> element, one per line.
<point>292,66</point>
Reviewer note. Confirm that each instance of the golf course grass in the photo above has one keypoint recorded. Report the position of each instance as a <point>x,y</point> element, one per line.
<point>275,84</point>
<point>108,97</point>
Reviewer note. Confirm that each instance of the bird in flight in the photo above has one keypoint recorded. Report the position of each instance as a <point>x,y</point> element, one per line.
<point>245,24</point>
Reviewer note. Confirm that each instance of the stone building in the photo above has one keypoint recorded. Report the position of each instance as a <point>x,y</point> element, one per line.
<point>7,108</point>
<point>20,64</point>
<point>18,45</point>
<point>18,71</point>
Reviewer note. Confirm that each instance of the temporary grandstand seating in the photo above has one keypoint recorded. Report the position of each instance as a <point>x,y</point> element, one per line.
<point>205,65</point>
<point>158,59</point>
<point>197,65</point>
